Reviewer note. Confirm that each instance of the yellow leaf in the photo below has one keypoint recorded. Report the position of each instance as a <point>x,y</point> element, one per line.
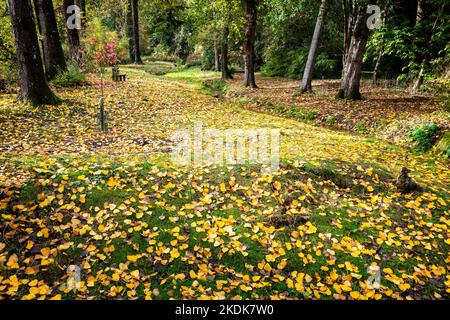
<point>135,273</point>
<point>404,286</point>
<point>282,264</point>
<point>12,262</point>
<point>337,288</point>
<point>133,258</point>
<point>277,185</point>
<point>33,283</point>
<point>355,295</point>
<point>345,288</point>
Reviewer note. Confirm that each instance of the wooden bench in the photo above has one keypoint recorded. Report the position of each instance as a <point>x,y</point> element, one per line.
<point>116,76</point>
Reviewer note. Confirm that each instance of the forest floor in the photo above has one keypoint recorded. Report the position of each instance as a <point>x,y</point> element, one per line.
<point>138,226</point>
<point>385,112</point>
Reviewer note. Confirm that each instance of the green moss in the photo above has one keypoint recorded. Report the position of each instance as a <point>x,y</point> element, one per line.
<point>424,136</point>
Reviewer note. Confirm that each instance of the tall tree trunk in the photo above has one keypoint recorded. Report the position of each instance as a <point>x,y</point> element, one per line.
<point>250,35</point>
<point>83,12</point>
<point>73,36</point>
<point>357,35</point>
<point>51,43</point>
<point>309,68</point>
<point>130,30</point>
<point>137,46</point>
<point>216,57</point>
<point>225,71</point>
<point>34,88</point>
<point>421,75</point>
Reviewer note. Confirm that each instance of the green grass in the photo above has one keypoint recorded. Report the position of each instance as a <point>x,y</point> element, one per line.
<point>193,75</point>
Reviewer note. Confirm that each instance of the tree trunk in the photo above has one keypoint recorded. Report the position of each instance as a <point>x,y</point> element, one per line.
<point>51,43</point>
<point>83,7</point>
<point>137,48</point>
<point>309,68</point>
<point>226,75</point>
<point>250,35</point>
<point>216,57</point>
<point>130,30</point>
<point>83,12</point>
<point>34,88</point>
<point>376,69</point>
<point>377,65</point>
<point>73,36</point>
<point>355,46</point>
<point>421,75</point>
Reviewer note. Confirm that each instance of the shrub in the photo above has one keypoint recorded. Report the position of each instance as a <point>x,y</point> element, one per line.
<point>70,77</point>
<point>162,53</point>
<point>9,73</point>
<point>424,136</point>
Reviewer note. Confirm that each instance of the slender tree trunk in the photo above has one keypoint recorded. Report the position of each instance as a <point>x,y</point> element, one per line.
<point>376,69</point>
<point>355,46</point>
<point>73,36</point>
<point>137,48</point>
<point>34,88</point>
<point>130,30</point>
<point>250,35</point>
<point>216,57</point>
<point>226,75</point>
<point>377,65</point>
<point>309,68</point>
<point>421,75</point>
<point>83,7</point>
<point>51,43</point>
<point>83,13</point>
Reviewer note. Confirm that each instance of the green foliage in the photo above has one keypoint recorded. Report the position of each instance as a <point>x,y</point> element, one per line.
<point>287,28</point>
<point>293,63</point>
<point>207,61</point>
<point>163,53</point>
<point>7,50</point>
<point>8,72</point>
<point>404,43</point>
<point>424,136</point>
<point>70,77</point>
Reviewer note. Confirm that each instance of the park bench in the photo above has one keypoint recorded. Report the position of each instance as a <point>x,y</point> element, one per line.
<point>116,76</point>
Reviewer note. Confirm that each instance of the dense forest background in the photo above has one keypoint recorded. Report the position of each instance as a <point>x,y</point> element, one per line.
<point>412,42</point>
